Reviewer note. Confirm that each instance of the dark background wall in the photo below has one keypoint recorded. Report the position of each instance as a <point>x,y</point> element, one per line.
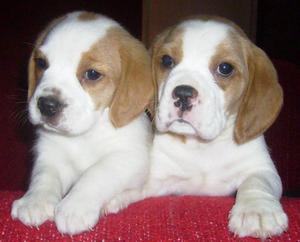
<point>278,28</point>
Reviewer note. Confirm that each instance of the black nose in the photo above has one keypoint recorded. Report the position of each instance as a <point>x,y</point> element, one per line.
<point>49,106</point>
<point>184,92</point>
<point>183,95</point>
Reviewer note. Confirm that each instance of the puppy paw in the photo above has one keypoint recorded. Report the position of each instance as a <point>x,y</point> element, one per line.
<point>33,210</point>
<point>114,206</point>
<point>122,201</point>
<point>258,218</point>
<point>73,216</point>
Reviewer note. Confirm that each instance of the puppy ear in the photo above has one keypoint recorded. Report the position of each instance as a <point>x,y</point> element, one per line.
<point>32,76</point>
<point>135,88</point>
<point>262,101</point>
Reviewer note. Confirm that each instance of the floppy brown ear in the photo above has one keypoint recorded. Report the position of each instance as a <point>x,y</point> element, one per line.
<point>262,101</point>
<point>32,76</point>
<point>135,88</point>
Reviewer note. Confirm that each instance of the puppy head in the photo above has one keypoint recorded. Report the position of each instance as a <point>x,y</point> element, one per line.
<point>211,77</point>
<point>83,63</point>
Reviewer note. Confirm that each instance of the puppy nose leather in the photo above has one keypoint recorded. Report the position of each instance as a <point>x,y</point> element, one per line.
<point>49,106</point>
<point>184,94</point>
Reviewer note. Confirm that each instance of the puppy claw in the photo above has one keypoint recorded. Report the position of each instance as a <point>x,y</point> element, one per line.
<point>33,210</point>
<point>260,220</point>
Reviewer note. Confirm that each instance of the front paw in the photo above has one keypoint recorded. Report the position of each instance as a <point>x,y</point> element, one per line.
<point>73,216</point>
<point>259,218</point>
<point>33,210</point>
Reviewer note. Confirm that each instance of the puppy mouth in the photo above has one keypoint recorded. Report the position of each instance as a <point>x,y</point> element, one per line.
<point>53,125</point>
<point>180,120</point>
<point>182,126</point>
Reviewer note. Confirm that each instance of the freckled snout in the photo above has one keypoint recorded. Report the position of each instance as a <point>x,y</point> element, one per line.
<point>49,106</point>
<point>184,96</point>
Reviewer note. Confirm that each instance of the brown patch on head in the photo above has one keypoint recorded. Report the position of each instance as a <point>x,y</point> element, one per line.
<point>126,84</point>
<point>103,57</point>
<point>167,43</point>
<point>88,16</point>
<point>252,92</point>
<point>35,73</point>
<point>229,51</point>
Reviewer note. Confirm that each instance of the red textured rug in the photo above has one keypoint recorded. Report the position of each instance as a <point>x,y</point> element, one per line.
<point>186,218</point>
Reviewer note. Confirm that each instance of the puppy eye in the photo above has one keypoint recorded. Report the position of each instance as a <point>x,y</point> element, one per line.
<point>41,63</point>
<point>167,61</point>
<point>225,69</point>
<point>92,75</point>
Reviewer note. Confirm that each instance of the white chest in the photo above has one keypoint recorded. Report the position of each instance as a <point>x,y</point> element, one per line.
<point>103,140</point>
<point>192,167</point>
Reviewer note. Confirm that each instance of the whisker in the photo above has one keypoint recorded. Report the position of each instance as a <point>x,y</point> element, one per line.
<point>20,113</point>
<point>20,117</point>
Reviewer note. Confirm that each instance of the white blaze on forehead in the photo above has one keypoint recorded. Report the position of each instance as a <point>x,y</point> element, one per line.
<point>200,41</point>
<point>65,44</point>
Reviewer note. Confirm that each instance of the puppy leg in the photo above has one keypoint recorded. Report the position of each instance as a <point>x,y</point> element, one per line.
<point>257,211</point>
<point>45,191</point>
<point>81,208</point>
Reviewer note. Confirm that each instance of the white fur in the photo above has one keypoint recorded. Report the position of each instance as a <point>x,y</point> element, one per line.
<point>84,166</point>
<point>63,47</point>
<point>207,118</point>
<point>214,165</point>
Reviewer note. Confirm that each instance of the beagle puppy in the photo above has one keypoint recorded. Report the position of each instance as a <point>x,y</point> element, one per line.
<point>217,94</point>
<point>89,85</point>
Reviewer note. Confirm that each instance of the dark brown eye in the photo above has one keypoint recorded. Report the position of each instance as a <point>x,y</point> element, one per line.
<point>92,75</point>
<point>41,63</point>
<point>167,61</point>
<point>225,69</point>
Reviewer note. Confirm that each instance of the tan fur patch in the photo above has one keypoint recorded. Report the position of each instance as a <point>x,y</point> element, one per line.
<point>88,16</point>
<point>135,90</point>
<point>103,57</point>
<point>33,73</point>
<point>262,100</point>
<point>126,85</point>
<point>229,51</point>
<point>168,43</point>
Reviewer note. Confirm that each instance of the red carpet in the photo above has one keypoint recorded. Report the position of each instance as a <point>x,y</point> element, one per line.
<point>170,218</point>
